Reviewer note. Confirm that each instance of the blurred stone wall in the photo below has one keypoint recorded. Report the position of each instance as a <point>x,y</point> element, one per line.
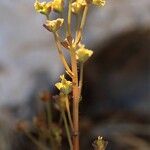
<point>26,49</point>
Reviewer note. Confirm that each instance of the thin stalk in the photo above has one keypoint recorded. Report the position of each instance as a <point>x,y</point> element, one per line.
<point>75,101</point>
<point>69,113</point>
<point>84,17</point>
<point>47,17</point>
<point>49,118</point>
<point>61,54</point>
<point>77,24</point>
<point>69,18</point>
<point>67,129</point>
<point>65,25</point>
<point>49,113</point>
<point>36,142</point>
<point>81,79</point>
<point>83,20</point>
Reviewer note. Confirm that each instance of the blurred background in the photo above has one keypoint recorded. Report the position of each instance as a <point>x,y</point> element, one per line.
<point>116,99</point>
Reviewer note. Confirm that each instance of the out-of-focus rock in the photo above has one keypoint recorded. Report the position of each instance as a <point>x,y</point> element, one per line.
<point>116,91</point>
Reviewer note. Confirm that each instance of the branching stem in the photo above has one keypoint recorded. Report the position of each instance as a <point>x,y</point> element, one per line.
<point>61,54</point>
<point>36,142</point>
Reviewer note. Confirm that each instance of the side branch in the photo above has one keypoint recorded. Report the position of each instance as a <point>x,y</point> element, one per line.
<point>83,20</point>
<point>61,55</point>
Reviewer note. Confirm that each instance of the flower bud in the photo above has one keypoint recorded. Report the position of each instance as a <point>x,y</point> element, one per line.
<point>53,25</point>
<point>39,122</point>
<point>22,126</point>
<point>57,133</point>
<point>83,54</point>
<point>58,5</point>
<point>76,7</point>
<point>64,86</point>
<point>99,2</point>
<point>45,96</point>
<point>43,7</point>
<point>60,101</point>
<point>100,144</point>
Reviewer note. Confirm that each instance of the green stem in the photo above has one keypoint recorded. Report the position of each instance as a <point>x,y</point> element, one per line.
<point>36,142</point>
<point>49,118</point>
<point>69,113</point>
<point>49,113</point>
<point>67,129</point>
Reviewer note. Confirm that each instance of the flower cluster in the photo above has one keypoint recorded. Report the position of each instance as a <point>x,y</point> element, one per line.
<point>78,5</point>
<point>45,8</point>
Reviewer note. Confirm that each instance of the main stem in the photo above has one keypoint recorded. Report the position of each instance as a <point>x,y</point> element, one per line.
<point>75,101</point>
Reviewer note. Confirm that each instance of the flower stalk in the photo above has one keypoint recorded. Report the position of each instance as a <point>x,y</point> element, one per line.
<point>69,18</point>
<point>83,20</point>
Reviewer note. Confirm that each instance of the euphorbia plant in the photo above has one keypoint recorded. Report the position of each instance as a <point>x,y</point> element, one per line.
<point>79,54</point>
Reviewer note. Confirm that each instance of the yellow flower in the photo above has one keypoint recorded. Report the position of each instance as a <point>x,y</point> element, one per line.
<point>43,7</point>
<point>58,5</point>
<point>99,2</point>
<point>83,54</point>
<point>53,25</point>
<point>82,2</point>
<point>76,7</point>
<point>64,86</point>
